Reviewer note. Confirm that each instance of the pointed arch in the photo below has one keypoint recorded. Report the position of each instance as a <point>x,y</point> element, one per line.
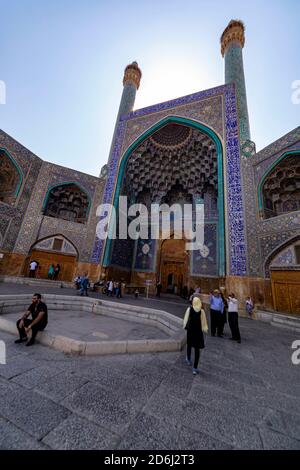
<point>220,155</point>
<point>276,251</point>
<point>51,237</point>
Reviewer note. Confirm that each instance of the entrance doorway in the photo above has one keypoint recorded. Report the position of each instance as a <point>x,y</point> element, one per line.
<point>52,251</point>
<point>173,266</point>
<point>45,259</point>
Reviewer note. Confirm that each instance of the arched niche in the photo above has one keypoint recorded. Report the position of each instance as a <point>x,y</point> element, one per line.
<point>67,201</point>
<point>279,191</point>
<point>10,178</point>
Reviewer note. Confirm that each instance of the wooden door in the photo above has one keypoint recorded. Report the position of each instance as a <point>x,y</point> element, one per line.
<point>46,258</point>
<point>286,290</point>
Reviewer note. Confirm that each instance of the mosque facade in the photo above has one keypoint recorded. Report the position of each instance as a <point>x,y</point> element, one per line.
<point>194,150</point>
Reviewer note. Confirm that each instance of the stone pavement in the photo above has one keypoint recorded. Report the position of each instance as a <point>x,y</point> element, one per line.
<point>246,397</point>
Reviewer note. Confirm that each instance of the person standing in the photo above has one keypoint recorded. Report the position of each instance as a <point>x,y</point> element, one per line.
<point>38,311</point>
<point>38,270</point>
<point>84,285</point>
<point>249,306</point>
<point>32,268</point>
<point>123,286</point>
<point>77,282</point>
<point>158,289</point>
<point>115,287</point>
<point>191,293</point>
<point>224,315</point>
<point>107,288</point>
<point>233,318</point>
<point>216,312</point>
<point>185,292</point>
<point>56,272</point>
<point>51,271</point>
<point>119,292</point>
<point>110,288</point>
<point>195,323</point>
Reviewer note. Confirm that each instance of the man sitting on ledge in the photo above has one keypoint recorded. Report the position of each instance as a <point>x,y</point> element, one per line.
<point>39,313</point>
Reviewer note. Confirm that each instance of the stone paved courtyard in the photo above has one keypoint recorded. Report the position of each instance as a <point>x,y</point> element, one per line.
<point>246,397</point>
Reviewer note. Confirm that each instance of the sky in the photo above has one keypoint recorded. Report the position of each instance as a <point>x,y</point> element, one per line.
<point>62,62</point>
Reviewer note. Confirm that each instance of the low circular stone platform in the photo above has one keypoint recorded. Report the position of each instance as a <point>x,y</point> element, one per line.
<point>86,326</point>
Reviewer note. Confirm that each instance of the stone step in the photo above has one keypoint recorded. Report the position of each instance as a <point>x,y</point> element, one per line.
<point>280,320</point>
<point>35,282</point>
<point>289,323</point>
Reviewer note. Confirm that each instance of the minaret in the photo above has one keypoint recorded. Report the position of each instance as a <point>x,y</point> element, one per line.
<point>232,43</point>
<point>131,83</point>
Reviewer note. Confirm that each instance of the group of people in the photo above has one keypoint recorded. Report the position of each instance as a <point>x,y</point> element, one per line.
<point>82,283</point>
<point>115,288</point>
<point>222,309</point>
<point>110,288</point>
<point>35,268</point>
<point>195,322</point>
<point>53,272</point>
<point>184,291</point>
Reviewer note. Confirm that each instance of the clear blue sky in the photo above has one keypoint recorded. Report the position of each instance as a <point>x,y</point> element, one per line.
<point>63,62</point>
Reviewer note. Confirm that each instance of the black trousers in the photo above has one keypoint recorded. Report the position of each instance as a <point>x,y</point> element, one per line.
<point>216,322</point>
<point>83,290</point>
<point>233,320</point>
<point>197,355</point>
<point>35,329</point>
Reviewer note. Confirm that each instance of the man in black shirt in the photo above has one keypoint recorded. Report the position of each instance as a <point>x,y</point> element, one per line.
<point>39,313</point>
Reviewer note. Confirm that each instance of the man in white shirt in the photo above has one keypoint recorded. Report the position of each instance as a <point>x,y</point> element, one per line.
<point>32,268</point>
<point>110,288</point>
<point>233,318</point>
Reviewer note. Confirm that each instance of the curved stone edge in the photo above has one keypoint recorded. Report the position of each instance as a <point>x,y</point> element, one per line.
<point>281,321</point>
<point>165,321</point>
<point>72,346</point>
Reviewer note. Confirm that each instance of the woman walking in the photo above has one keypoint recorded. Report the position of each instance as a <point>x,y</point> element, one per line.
<point>195,323</point>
